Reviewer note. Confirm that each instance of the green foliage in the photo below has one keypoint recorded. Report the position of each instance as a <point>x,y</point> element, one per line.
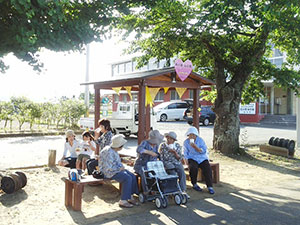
<point>66,112</point>
<point>61,25</point>
<point>91,97</point>
<point>21,109</point>
<point>227,41</point>
<point>71,110</point>
<point>6,112</point>
<point>209,95</point>
<point>34,112</point>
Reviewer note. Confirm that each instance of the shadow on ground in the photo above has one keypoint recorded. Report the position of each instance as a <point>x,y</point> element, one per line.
<point>233,206</point>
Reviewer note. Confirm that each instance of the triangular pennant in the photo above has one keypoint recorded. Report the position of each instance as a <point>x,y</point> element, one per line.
<point>117,89</point>
<point>166,89</point>
<point>148,100</point>
<point>128,89</point>
<point>180,91</point>
<point>153,92</point>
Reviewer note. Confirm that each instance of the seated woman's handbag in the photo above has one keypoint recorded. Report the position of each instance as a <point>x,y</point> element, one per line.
<point>97,174</point>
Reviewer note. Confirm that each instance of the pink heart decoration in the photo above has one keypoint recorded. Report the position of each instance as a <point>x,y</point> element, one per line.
<point>183,70</point>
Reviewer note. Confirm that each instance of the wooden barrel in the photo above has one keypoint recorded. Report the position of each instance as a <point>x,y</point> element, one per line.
<point>13,182</point>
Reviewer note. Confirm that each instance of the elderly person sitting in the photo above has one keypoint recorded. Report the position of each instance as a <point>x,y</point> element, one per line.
<point>110,165</point>
<point>195,151</point>
<point>147,151</point>
<point>170,154</point>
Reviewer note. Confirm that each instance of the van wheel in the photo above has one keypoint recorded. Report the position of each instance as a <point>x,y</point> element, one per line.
<point>163,117</point>
<point>206,122</point>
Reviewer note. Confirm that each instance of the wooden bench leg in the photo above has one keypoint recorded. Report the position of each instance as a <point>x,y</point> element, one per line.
<point>216,173</point>
<point>68,193</point>
<point>78,188</point>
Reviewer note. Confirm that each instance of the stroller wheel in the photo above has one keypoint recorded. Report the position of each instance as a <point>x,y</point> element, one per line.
<point>142,198</point>
<point>177,199</point>
<point>165,202</point>
<point>184,199</point>
<point>158,202</point>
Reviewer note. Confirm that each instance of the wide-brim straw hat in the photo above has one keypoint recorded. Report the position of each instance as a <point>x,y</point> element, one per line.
<point>155,137</point>
<point>192,130</point>
<point>70,133</point>
<point>171,134</point>
<point>117,141</point>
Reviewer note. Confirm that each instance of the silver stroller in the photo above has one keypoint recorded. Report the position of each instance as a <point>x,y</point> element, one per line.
<point>160,185</point>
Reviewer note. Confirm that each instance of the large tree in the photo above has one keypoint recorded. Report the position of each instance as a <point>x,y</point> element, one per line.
<point>229,41</point>
<point>60,25</point>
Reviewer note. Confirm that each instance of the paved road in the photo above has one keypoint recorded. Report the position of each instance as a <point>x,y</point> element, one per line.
<point>32,151</point>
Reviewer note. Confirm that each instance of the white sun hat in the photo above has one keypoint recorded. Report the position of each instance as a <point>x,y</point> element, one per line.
<point>192,130</point>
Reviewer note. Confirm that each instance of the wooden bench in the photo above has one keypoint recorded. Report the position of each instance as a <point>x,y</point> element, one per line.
<point>215,173</point>
<point>74,190</point>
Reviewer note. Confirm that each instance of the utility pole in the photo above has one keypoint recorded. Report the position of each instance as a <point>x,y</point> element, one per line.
<point>87,93</point>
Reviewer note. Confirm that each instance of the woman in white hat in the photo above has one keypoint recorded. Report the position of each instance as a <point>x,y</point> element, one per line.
<point>69,156</point>
<point>147,151</point>
<point>195,151</point>
<point>170,154</point>
<point>110,165</point>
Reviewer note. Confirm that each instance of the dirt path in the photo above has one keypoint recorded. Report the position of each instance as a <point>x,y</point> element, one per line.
<point>42,200</point>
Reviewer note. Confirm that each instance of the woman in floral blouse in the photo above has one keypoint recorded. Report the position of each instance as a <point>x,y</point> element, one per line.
<point>110,165</point>
<point>170,154</point>
<point>103,136</point>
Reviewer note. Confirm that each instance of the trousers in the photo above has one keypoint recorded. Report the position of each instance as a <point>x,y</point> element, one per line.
<point>129,184</point>
<point>206,170</point>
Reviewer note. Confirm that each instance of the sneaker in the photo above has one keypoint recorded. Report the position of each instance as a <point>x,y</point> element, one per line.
<point>211,190</point>
<point>186,195</point>
<point>197,188</point>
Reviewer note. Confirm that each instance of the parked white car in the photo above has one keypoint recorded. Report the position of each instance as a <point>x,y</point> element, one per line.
<point>173,110</point>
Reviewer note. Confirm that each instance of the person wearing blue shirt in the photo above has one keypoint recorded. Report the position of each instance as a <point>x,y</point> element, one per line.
<point>196,155</point>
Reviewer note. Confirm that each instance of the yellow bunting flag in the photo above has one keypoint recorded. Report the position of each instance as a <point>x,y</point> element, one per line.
<point>166,89</point>
<point>117,89</point>
<point>128,89</point>
<point>180,91</point>
<point>148,100</point>
<point>153,92</point>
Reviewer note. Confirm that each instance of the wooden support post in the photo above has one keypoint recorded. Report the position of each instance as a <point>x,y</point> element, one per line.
<point>97,107</point>
<point>148,123</point>
<point>142,121</point>
<point>51,158</point>
<point>195,108</point>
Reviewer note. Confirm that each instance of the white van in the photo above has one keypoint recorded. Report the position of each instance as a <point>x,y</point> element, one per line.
<point>173,110</point>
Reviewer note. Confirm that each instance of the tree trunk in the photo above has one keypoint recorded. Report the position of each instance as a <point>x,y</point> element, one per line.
<point>227,123</point>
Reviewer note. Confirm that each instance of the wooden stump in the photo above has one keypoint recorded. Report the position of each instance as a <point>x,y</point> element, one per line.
<point>51,158</point>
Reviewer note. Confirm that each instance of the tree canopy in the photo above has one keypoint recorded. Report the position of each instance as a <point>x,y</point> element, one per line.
<point>26,26</point>
<point>228,41</point>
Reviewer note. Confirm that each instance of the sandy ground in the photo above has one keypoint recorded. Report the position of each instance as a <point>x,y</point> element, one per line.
<point>41,201</point>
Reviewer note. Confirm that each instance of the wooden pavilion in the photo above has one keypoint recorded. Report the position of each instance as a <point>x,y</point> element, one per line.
<point>165,77</point>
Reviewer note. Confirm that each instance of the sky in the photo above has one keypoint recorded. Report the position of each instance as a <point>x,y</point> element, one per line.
<point>62,73</point>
